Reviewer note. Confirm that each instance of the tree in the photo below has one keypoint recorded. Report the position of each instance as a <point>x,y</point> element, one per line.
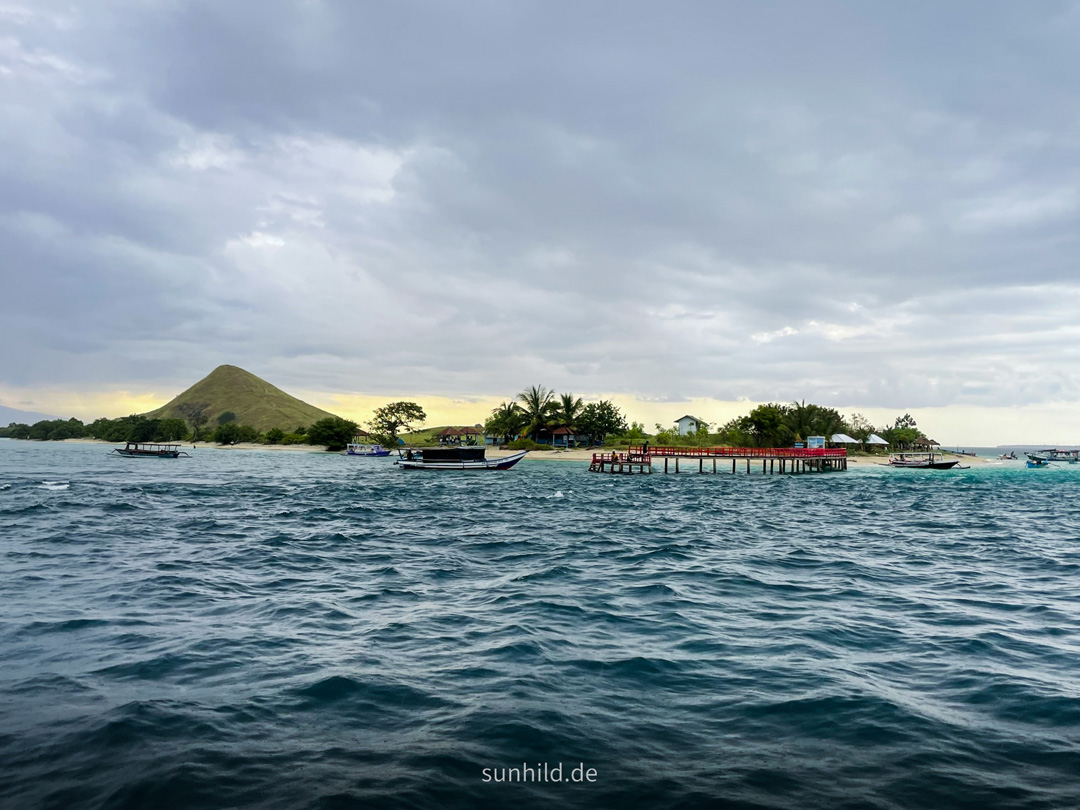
<point>53,430</point>
<point>736,433</point>
<point>143,429</point>
<point>196,415</point>
<point>506,422</point>
<point>903,432</point>
<point>798,419</point>
<point>228,433</point>
<point>19,430</point>
<point>395,417</point>
<point>274,436</point>
<point>333,432</point>
<point>392,418</point>
<point>567,409</point>
<point>600,419</point>
<point>858,427</point>
<point>905,421</point>
<point>539,404</point>
<point>171,430</point>
<point>767,426</point>
<point>249,434</point>
<point>226,416</point>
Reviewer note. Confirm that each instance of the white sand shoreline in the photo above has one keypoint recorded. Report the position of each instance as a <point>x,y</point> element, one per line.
<point>575,454</point>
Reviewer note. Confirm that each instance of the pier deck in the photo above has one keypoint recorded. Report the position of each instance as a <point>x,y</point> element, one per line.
<point>774,460</point>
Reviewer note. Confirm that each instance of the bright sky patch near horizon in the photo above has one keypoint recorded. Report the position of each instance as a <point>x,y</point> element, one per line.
<point>688,207</point>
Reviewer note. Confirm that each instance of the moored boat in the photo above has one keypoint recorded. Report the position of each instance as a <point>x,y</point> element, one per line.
<point>1067,456</point>
<point>1035,463</point>
<point>454,458</point>
<point>146,450</point>
<point>355,449</point>
<point>921,461</point>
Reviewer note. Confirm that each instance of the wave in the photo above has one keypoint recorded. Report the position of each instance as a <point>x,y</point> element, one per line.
<point>286,633</point>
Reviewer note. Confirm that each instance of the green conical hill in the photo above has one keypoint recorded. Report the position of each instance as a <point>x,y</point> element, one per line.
<point>254,401</point>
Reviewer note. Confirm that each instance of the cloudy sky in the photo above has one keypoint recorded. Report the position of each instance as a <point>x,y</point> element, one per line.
<point>685,205</point>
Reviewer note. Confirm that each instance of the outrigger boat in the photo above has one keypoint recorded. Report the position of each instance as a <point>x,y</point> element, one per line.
<point>1068,456</point>
<point>366,450</point>
<point>1035,463</point>
<point>921,461</point>
<point>144,450</point>
<point>454,458</point>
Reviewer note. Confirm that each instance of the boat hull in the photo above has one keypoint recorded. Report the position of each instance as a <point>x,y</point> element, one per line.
<point>376,454</point>
<point>138,454</point>
<point>481,464</point>
<point>924,465</point>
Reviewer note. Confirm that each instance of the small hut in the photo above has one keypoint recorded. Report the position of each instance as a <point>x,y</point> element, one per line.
<point>471,435</point>
<point>450,435</point>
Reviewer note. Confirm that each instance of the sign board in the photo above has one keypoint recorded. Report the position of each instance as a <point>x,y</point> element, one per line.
<point>815,441</point>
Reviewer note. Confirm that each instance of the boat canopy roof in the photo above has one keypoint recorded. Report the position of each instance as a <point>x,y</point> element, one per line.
<point>466,453</point>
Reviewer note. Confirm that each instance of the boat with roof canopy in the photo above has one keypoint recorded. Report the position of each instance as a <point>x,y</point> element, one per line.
<point>357,449</point>
<point>926,460</point>
<point>454,458</point>
<point>147,450</point>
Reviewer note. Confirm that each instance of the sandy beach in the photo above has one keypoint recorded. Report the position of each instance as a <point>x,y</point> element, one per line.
<point>579,454</point>
<point>576,454</point>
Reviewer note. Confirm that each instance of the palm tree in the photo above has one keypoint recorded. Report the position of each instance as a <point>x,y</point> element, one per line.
<point>539,403</point>
<point>799,419</point>
<point>506,421</point>
<point>568,409</point>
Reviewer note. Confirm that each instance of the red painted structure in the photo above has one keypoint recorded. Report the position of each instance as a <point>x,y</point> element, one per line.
<point>638,459</point>
<point>742,452</point>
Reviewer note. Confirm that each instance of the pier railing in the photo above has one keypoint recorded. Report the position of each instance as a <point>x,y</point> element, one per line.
<point>741,452</point>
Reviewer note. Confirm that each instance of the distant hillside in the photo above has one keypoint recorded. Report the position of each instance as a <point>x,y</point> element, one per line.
<point>9,415</point>
<point>254,401</point>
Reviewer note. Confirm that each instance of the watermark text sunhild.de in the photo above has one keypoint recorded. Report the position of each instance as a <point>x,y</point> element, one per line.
<point>541,772</point>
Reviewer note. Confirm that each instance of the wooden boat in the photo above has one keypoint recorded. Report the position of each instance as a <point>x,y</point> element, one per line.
<point>1067,456</point>
<point>921,461</point>
<point>454,458</point>
<point>366,450</point>
<point>1035,463</point>
<point>145,450</point>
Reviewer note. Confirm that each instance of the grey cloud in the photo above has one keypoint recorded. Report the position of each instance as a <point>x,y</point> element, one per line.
<point>776,201</point>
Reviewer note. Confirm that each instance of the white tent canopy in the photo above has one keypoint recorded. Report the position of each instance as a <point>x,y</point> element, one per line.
<point>843,438</point>
<point>875,439</point>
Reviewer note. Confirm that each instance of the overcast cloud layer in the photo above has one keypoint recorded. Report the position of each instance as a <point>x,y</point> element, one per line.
<point>851,203</point>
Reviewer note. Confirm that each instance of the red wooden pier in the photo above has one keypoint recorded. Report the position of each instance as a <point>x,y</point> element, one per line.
<point>774,460</point>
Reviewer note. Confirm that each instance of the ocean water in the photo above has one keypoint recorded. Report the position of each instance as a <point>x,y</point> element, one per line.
<point>292,630</point>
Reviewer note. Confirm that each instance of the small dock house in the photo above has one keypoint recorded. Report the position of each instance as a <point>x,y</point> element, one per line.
<point>691,424</point>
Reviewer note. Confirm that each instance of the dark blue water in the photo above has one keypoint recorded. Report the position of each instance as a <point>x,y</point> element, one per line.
<point>288,630</point>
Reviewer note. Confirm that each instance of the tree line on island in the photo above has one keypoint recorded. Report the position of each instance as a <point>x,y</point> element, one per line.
<point>332,432</point>
<point>519,423</point>
<point>536,410</point>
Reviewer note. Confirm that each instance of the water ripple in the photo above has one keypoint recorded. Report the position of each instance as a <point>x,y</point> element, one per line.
<point>308,631</point>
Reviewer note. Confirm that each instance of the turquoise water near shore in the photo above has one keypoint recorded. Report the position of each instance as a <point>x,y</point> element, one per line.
<point>291,630</point>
